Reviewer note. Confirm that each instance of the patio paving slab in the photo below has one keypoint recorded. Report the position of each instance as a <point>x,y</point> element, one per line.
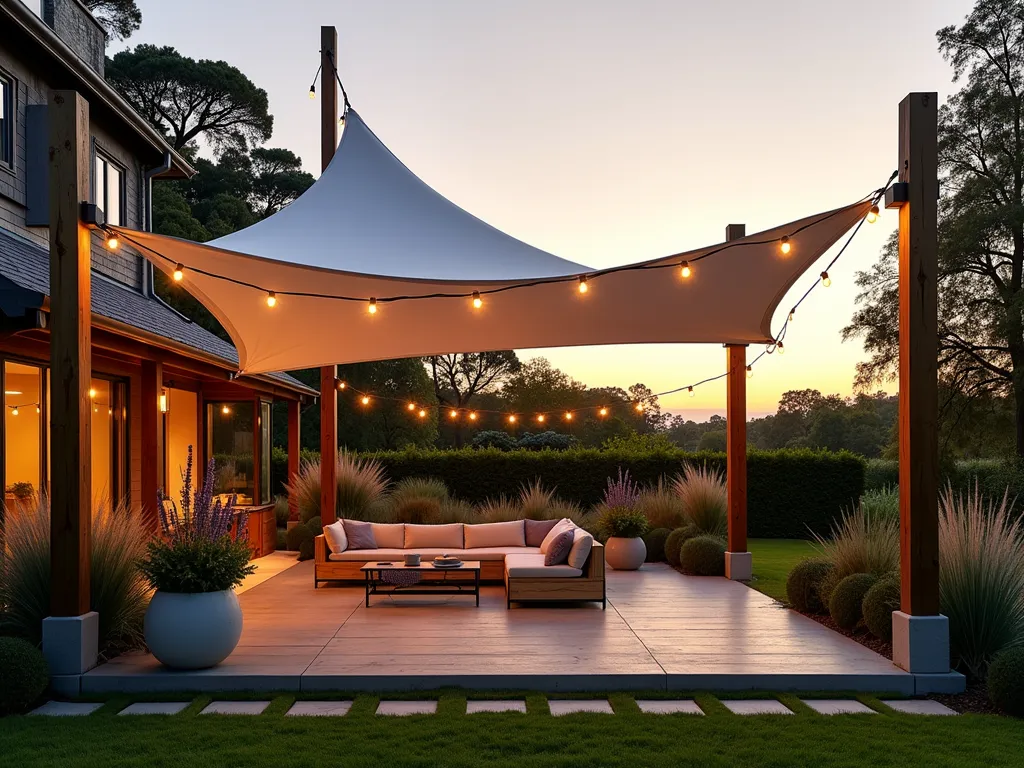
<point>473,707</point>
<point>154,708</point>
<point>560,707</point>
<point>403,708</point>
<point>839,707</point>
<point>235,708</point>
<point>319,709</point>
<point>66,708</point>
<point>666,707</point>
<point>919,707</point>
<point>756,707</point>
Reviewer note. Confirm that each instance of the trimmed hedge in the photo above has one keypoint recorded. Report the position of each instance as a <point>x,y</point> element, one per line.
<point>655,542</point>
<point>879,602</point>
<point>803,585</point>
<point>24,675</point>
<point>1006,681</point>
<point>846,603</point>
<point>703,556</point>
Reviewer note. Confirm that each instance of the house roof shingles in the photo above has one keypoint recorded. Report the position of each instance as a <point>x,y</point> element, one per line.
<point>28,266</point>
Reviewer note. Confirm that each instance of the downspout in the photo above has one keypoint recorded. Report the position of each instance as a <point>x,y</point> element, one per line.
<point>148,187</point>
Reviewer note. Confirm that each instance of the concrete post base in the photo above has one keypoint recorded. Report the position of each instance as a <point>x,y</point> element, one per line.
<point>739,566</point>
<point>920,644</point>
<point>71,643</point>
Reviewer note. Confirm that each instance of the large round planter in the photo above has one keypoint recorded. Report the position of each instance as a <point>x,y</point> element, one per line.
<point>193,631</point>
<point>625,554</point>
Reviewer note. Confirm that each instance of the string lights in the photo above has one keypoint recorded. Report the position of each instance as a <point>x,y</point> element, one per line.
<point>113,243</point>
<point>477,301</point>
<point>372,306</point>
<point>785,246</point>
<point>179,272</point>
<point>583,284</point>
<point>684,270</point>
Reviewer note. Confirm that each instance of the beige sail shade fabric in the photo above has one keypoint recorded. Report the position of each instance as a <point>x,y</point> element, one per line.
<point>370,228</point>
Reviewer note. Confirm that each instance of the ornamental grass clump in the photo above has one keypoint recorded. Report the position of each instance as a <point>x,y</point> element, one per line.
<point>661,507</point>
<point>417,500</point>
<point>118,593</point>
<point>197,553</point>
<point>703,494</point>
<point>860,543</point>
<point>535,502</point>
<point>362,485</point>
<point>981,578</point>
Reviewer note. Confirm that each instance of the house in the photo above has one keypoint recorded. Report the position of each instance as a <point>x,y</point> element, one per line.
<point>159,382</point>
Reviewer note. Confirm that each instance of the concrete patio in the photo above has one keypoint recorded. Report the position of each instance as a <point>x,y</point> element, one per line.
<point>661,631</point>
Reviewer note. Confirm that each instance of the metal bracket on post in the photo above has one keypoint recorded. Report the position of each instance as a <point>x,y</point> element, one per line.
<point>92,215</point>
<point>897,195</point>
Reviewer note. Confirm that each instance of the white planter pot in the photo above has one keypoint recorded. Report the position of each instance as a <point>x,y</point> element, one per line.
<point>625,554</point>
<point>193,631</point>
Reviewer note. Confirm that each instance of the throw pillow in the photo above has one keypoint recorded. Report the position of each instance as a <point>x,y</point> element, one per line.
<point>536,530</point>
<point>565,524</point>
<point>335,535</point>
<point>583,542</point>
<point>558,549</point>
<point>359,535</point>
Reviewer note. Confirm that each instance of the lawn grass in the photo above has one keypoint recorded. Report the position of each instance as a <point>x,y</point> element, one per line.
<point>452,738</point>
<point>773,560</point>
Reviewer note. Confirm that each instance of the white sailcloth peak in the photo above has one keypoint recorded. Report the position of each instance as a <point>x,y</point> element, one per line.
<point>369,213</point>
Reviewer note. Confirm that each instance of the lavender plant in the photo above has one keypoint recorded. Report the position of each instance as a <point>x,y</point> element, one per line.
<point>621,492</point>
<point>196,552</point>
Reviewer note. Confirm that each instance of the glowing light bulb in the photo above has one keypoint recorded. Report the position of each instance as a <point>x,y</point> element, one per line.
<point>365,400</point>
<point>639,407</point>
<point>411,406</point>
<point>750,372</point>
<point>342,385</point>
<point>110,411</point>
<point>782,348</point>
<point>472,415</point>
<point>341,121</point>
<point>477,301</point>
<point>271,299</point>
<point>312,91</point>
<point>372,308</point>
<point>540,418</point>
<point>92,392</point>
<point>784,245</point>
<point>512,418</point>
<point>225,410</point>
<point>825,279</point>
<point>684,269</point>
<point>792,312</point>
<point>583,284</point>
<point>38,410</point>
<point>14,411</point>
<point>453,414</point>
<point>568,415</point>
<point>113,243</point>
<point>872,216</point>
<point>690,390</point>
<point>603,412</point>
<point>423,413</point>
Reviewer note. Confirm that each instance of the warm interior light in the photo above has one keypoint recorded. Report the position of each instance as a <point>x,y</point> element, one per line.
<point>372,308</point>
<point>411,406</point>
<point>312,91</point>
<point>366,400</point>
<point>92,392</point>
<point>271,299</point>
<point>110,411</point>
<point>14,411</point>
<point>872,216</point>
<point>472,415</point>
<point>784,245</point>
<point>690,390</point>
<point>684,269</point>
<point>603,412</point>
<point>162,401</point>
<point>583,284</point>
<point>179,272</point>
<point>477,301</point>
<point>825,279</point>
<point>750,372</point>
<point>225,410</point>
<point>112,243</point>
<point>12,392</point>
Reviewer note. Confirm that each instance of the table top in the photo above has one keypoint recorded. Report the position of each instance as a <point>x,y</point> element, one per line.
<point>426,565</point>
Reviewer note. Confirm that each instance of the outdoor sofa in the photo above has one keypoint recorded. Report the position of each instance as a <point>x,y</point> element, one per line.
<point>510,552</point>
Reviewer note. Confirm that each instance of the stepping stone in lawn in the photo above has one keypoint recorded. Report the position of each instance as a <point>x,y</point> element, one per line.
<point>473,707</point>
<point>756,707</point>
<point>561,707</point>
<point>154,708</point>
<point>838,707</point>
<point>235,708</point>
<point>665,707</point>
<point>402,708</point>
<point>319,709</point>
<point>920,707</point>
<point>66,708</point>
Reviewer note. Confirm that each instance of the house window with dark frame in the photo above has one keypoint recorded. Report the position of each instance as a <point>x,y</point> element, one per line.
<point>6,121</point>
<point>108,188</point>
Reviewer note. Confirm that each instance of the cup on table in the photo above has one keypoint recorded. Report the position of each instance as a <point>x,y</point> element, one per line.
<point>412,559</point>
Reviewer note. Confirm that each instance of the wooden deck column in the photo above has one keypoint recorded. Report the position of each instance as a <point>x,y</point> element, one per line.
<point>294,449</point>
<point>328,374</point>
<point>71,633</point>
<point>920,633</point>
<point>738,561</point>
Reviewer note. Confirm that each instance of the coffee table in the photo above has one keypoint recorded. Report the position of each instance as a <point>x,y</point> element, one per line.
<point>431,586</point>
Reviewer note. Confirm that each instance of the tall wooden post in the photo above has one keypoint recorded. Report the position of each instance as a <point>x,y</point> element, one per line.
<point>294,450</point>
<point>920,634</point>
<point>70,634</point>
<point>738,561</point>
<point>328,374</point>
<point>152,448</point>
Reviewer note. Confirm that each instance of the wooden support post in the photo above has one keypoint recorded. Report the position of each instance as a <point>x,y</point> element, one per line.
<point>70,357</point>
<point>920,634</point>
<point>738,562</point>
<point>328,374</point>
<point>294,450</point>
<point>152,448</point>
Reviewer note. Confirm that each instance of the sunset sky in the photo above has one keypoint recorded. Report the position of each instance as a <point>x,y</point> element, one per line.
<point>612,132</point>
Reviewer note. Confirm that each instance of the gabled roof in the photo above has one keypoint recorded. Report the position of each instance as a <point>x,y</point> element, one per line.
<point>26,265</point>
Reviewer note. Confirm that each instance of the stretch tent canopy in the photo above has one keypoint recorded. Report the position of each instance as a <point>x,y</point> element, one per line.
<point>369,228</point>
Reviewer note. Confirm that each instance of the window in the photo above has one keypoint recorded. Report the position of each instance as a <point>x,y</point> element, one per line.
<point>6,122</point>
<point>230,443</point>
<point>108,187</point>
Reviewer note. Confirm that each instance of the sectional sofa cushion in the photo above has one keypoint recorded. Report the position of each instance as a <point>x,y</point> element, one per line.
<point>335,535</point>
<point>449,535</point>
<point>582,543</point>
<point>510,534</point>
<point>360,535</point>
<point>483,554</point>
<point>565,524</point>
<point>558,549</point>
<point>389,534</point>
<point>532,567</point>
<point>536,530</point>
